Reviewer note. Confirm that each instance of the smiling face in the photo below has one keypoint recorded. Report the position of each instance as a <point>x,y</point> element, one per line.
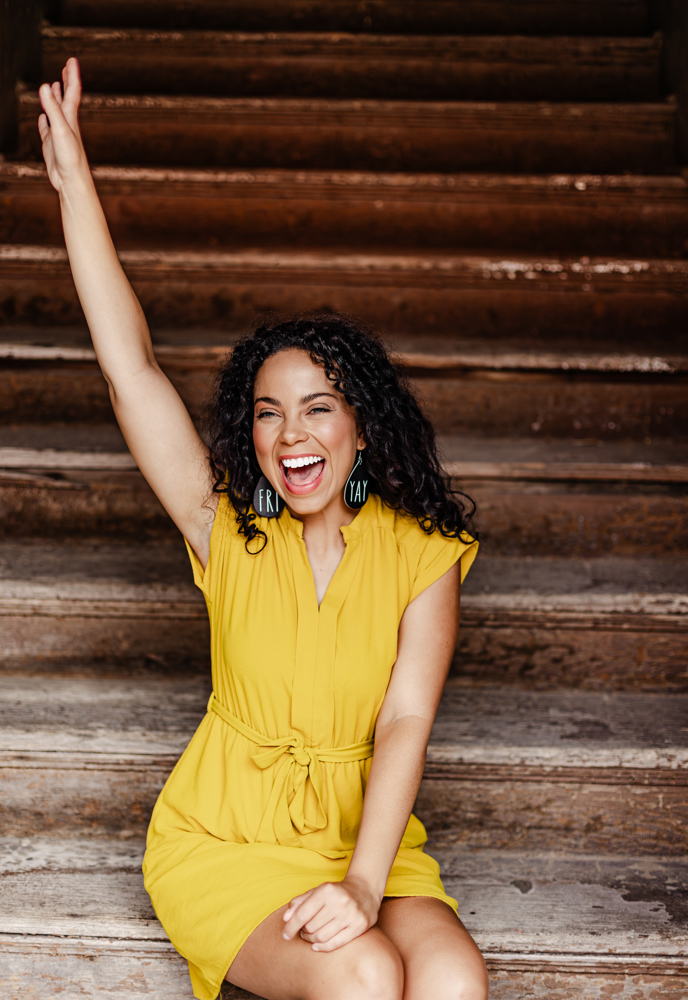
<point>304,432</point>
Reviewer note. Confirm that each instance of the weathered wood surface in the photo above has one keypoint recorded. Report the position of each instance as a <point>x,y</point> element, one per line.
<point>325,133</point>
<point>487,726</point>
<point>506,768</point>
<point>579,17</point>
<point>575,511</point>
<point>643,407</point>
<point>344,65</point>
<point>436,293</point>
<point>448,354</point>
<point>42,966</point>
<point>587,912</point>
<point>590,623</point>
<point>622,472</point>
<point>531,213</point>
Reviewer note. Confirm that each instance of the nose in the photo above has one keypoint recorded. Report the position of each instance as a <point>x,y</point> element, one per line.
<point>293,431</point>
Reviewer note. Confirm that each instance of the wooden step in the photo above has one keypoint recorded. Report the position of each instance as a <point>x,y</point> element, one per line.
<point>546,770</point>
<point>76,911</point>
<point>532,498</point>
<point>195,208</point>
<point>643,407</point>
<point>531,17</point>
<point>321,64</point>
<point>424,293</point>
<point>332,134</point>
<point>604,622</point>
<point>468,387</point>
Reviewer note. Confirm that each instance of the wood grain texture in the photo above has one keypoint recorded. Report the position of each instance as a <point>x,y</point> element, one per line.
<point>639,406</point>
<point>438,294</point>
<point>545,770</point>
<point>586,911</point>
<point>579,17</point>
<point>356,65</point>
<point>165,206</point>
<point>321,133</point>
<point>584,622</point>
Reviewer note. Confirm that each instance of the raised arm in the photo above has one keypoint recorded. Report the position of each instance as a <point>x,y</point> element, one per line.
<point>156,425</point>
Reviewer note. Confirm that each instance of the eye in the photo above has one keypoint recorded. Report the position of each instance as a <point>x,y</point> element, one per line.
<point>320,409</point>
<point>266,413</point>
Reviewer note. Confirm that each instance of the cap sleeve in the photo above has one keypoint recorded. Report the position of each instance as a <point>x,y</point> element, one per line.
<point>437,555</point>
<point>224,525</point>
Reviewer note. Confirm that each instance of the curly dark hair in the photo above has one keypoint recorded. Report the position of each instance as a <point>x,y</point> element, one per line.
<point>401,456</point>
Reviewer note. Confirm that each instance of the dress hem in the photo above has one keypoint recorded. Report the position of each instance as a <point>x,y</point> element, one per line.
<point>388,895</point>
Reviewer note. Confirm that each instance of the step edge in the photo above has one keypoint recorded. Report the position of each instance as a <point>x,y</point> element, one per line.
<point>441,765</point>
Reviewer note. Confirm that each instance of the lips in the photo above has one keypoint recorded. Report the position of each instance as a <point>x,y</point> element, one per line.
<point>303,480</point>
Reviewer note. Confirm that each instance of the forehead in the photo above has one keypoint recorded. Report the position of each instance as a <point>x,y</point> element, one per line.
<point>290,372</point>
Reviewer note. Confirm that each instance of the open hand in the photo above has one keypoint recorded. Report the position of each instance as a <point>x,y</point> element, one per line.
<point>332,914</point>
<point>63,150</point>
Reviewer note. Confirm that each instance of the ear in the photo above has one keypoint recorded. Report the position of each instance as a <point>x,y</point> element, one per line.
<point>361,442</point>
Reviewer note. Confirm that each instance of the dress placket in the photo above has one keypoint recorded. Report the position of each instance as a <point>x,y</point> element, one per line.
<point>312,709</point>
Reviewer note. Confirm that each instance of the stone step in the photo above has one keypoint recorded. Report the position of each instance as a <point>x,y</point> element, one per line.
<point>75,911</point>
<point>544,770</point>
<point>529,17</point>
<point>167,207</point>
<point>417,67</point>
<point>324,133</point>
<point>594,623</point>
<point>532,497</point>
<point>428,293</point>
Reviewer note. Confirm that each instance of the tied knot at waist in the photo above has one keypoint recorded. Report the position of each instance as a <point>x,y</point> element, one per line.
<point>295,802</point>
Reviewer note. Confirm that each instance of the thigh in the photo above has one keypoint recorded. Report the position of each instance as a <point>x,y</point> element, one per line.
<point>440,957</point>
<point>369,966</point>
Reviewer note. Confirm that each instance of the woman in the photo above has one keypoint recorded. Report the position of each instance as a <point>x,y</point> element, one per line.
<point>333,627</point>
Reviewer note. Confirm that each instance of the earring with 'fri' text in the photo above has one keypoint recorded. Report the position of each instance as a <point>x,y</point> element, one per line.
<point>266,500</point>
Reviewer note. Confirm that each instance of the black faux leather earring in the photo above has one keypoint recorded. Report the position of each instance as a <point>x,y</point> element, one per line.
<point>266,500</point>
<point>356,489</point>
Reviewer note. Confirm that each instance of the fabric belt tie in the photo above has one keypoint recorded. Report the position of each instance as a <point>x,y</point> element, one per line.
<point>295,802</point>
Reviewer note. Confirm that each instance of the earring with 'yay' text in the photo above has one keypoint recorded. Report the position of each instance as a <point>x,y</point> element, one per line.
<point>356,489</point>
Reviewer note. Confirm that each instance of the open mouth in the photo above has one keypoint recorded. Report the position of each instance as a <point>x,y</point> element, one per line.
<point>302,473</point>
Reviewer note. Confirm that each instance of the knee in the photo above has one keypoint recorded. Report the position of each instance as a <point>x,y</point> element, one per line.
<point>469,981</point>
<point>376,973</point>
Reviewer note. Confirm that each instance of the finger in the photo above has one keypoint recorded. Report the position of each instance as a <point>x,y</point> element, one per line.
<point>57,92</point>
<point>302,915</point>
<point>296,902</point>
<point>43,127</point>
<point>71,78</point>
<point>321,918</point>
<point>327,931</point>
<point>347,934</point>
<point>51,108</point>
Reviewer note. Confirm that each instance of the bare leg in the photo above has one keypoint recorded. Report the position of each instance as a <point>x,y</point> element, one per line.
<point>368,968</point>
<point>440,958</point>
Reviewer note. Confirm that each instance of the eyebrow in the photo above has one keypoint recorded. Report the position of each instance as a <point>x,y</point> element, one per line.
<point>302,402</point>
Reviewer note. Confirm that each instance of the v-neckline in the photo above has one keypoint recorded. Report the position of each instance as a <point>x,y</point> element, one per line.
<point>350,532</point>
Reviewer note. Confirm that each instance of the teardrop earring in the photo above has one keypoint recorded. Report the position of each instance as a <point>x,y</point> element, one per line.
<point>356,489</point>
<point>266,500</point>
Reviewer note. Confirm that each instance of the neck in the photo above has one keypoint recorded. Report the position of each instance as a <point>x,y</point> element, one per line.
<point>322,528</point>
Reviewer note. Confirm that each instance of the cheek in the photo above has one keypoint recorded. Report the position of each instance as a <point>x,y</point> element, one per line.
<point>262,438</point>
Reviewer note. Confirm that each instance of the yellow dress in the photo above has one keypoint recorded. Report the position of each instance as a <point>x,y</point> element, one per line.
<point>266,800</point>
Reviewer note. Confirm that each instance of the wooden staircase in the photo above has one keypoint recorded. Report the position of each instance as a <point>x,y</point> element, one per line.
<point>495,185</point>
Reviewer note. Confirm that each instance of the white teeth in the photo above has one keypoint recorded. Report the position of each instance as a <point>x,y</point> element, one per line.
<point>298,463</point>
